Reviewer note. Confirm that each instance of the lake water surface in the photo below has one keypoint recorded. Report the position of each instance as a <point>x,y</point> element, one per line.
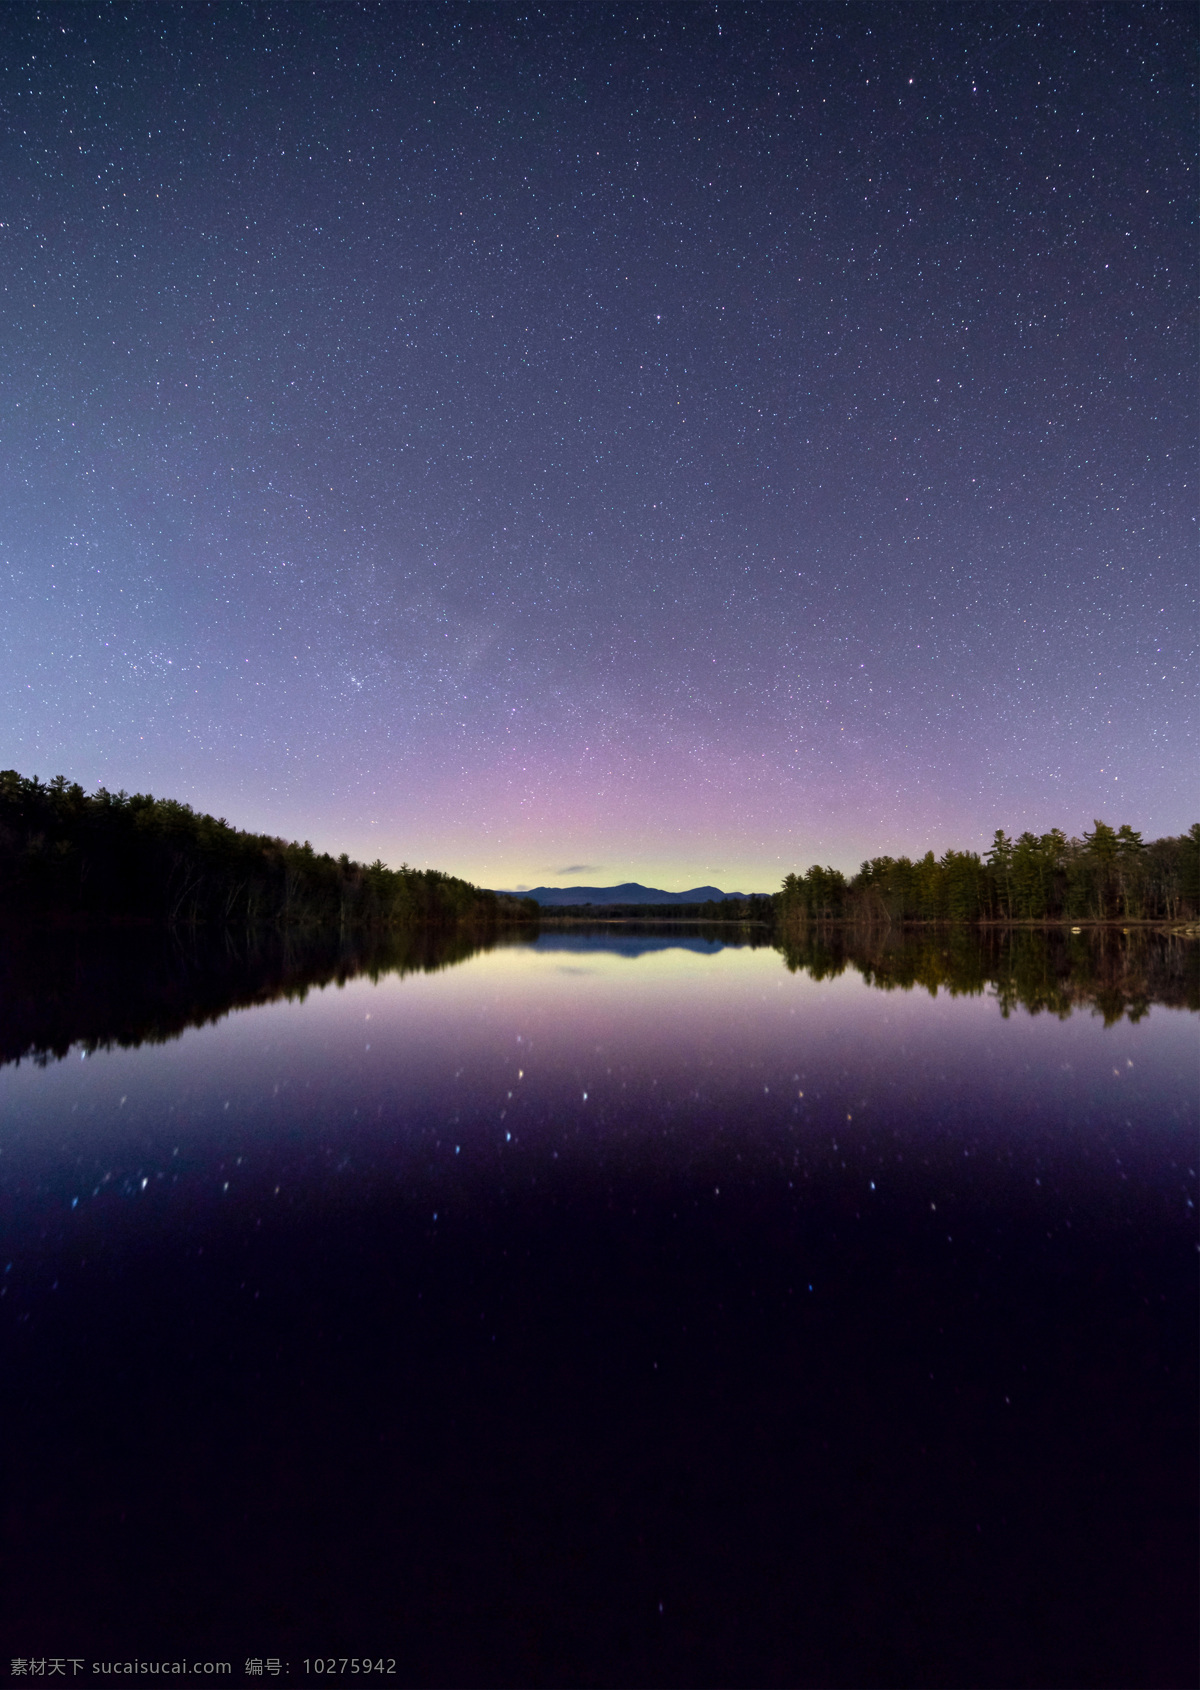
<point>612,1308</point>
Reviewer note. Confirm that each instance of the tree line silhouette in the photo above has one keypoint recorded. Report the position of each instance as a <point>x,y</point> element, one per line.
<point>758,907</point>
<point>1110,874</point>
<point>65,854</point>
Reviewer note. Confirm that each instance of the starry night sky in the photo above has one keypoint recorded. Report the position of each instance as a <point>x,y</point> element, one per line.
<point>601,443</point>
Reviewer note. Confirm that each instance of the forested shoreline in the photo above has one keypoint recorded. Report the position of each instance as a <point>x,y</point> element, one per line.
<point>1110,874</point>
<point>758,908</point>
<point>69,856</point>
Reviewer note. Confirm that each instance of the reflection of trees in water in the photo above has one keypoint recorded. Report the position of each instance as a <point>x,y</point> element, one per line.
<point>615,934</point>
<point>136,986</point>
<point>1118,975</point>
<point>105,987</point>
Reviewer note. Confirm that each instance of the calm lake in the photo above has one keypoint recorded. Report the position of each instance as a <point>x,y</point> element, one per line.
<point>615,1308</point>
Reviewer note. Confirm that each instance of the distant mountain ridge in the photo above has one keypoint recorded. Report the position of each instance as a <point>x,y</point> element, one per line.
<point>630,892</point>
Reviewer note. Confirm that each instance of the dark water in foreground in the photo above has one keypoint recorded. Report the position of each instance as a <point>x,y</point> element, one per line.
<point>608,1310</point>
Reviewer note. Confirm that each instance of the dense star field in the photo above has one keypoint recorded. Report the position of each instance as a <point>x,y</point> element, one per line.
<point>602,443</point>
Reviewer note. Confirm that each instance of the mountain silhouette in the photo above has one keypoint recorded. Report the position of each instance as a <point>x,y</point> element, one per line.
<point>630,892</point>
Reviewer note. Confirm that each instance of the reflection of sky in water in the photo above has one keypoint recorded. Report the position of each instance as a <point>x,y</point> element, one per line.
<point>586,1051</point>
<point>581,1281</point>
